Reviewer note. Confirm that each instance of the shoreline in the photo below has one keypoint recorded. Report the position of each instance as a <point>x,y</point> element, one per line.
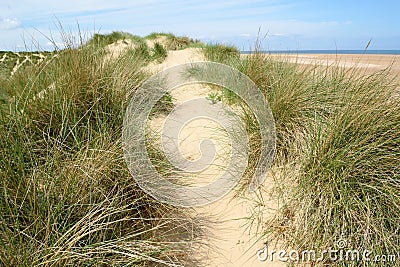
<point>375,62</point>
<point>329,52</point>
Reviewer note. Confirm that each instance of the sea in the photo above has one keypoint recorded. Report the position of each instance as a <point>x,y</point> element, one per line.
<point>334,52</point>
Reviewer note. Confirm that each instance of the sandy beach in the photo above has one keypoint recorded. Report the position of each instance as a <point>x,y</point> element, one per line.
<point>369,62</point>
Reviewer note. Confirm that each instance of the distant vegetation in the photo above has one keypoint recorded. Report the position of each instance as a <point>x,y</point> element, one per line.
<point>10,62</point>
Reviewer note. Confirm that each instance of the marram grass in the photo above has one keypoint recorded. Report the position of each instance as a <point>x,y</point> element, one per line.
<point>67,197</point>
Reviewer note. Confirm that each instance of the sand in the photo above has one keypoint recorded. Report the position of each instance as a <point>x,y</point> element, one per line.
<point>116,49</point>
<point>231,240</point>
<point>177,57</point>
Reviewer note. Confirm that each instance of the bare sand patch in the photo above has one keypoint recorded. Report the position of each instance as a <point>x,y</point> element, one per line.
<point>177,57</point>
<point>116,49</point>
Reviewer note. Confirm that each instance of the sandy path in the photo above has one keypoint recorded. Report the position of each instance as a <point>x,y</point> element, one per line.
<point>231,241</point>
<point>176,57</point>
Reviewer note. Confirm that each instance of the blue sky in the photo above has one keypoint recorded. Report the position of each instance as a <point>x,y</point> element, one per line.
<point>286,24</point>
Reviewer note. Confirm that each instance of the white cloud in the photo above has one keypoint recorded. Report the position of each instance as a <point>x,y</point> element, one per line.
<point>9,23</point>
<point>208,20</point>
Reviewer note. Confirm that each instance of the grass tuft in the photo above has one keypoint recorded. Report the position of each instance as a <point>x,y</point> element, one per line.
<point>221,53</point>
